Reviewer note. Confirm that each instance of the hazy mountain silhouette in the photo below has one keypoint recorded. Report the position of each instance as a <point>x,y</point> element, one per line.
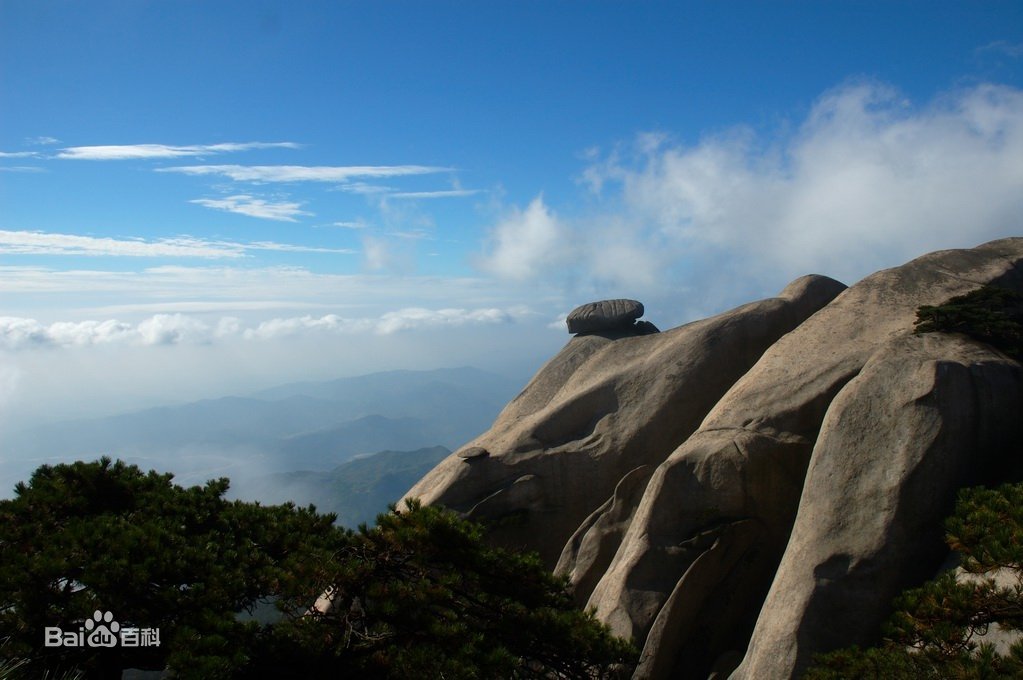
<point>299,426</point>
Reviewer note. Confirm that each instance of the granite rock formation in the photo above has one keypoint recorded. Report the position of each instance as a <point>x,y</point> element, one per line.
<point>608,315</point>
<point>741,492</point>
<point>605,405</point>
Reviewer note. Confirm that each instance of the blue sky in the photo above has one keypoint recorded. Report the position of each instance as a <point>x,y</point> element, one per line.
<point>198,198</point>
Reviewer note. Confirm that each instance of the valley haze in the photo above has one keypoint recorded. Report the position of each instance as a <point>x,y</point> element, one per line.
<point>309,427</point>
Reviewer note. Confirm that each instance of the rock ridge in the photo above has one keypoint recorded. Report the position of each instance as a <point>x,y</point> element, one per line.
<point>724,492</point>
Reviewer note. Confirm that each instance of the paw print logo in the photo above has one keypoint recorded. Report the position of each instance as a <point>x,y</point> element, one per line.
<point>102,629</point>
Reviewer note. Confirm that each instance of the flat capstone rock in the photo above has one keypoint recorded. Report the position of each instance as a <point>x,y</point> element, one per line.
<point>605,315</point>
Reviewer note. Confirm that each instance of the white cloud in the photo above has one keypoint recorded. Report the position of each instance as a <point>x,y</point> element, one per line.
<point>303,173</point>
<point>18,154</point>
<point>291,248</point>
<point>407,319</point>
<point>42,243</point>
<point>18,333</point>
<point>285,327</point>
<point>244,204</point>
<point>21,333</point>
<point>173,329</point>
<point>42,141</point>
<point>66,333</point>
<point>160,329</point>
<point>214,283</point>
<point>352,224</point>
<point>867,180</point>
<point>154,151</point>
<point>526,243</point>
<point>20,168</point>
<point>417,317</point>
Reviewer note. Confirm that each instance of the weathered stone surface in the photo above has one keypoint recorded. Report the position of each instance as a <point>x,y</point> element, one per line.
<point>667,473</point>
<point>927,415</point>
<point>729,494</point>
<point>603,407</point>
<point>605,315</point>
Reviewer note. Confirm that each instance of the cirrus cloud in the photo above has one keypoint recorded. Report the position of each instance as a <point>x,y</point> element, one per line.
<point>243,204</point>
<point>304,173</point>
<point>47,243</point>
<point>120,152</point>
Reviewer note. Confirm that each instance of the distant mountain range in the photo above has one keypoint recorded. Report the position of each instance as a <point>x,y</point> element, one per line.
<point>310,426</point>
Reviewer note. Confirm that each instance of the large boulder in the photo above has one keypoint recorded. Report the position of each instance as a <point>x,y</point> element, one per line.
<point>607,404</point>
<point>926,415</point>
<point>605,315</point>
<point>703,546</point>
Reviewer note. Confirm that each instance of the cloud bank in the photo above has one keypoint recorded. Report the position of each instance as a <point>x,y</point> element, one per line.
<point>867,180</point>
<point>18,333</point>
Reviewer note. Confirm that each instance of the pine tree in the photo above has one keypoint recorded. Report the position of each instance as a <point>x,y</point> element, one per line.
<point>105,536</point>
<point>418,595</point>
<point>422,595</point>
<point>991,314</point>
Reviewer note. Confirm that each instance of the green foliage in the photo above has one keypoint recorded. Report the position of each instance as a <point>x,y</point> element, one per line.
<point>421,595</point>
<point>933,632</point>
<point>990,314</point>
<point>106,536</point>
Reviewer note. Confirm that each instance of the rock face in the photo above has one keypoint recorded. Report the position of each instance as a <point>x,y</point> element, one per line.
<point>606,315</point>
<point>605,405</point>
<point>744,491</point>
<point>926,415</point>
